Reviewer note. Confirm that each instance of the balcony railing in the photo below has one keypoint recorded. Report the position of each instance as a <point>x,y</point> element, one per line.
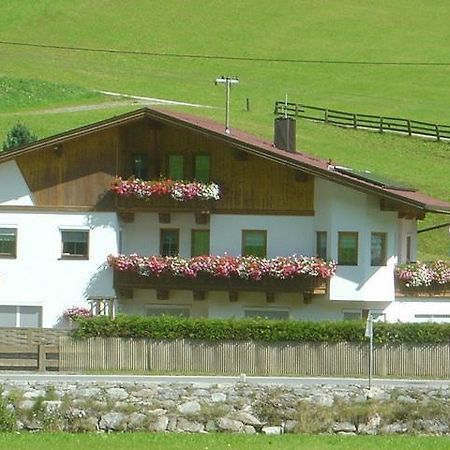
<point>424,279</point>
<point>305,275</point>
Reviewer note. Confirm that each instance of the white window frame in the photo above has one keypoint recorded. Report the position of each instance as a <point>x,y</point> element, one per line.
<point>18,314</point>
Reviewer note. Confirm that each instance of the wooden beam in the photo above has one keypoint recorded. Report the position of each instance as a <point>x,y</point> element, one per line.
<point>126,217</point>
<point>199,295</point>
<point>125,292</point>
<point>233,296</point>
<point>307,297</point>
<point>162,294</point>
<point>202,218</point>
<point>270,297</point>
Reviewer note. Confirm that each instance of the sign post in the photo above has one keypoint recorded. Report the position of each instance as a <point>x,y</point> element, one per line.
<point>369,333</point>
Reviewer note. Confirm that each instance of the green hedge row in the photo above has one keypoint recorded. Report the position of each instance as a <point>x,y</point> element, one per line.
<point>259,330</point>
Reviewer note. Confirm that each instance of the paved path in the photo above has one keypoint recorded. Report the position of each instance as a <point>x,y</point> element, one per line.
<point>285,381</point>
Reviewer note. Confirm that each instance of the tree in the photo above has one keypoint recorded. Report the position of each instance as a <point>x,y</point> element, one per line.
<point>17,136</point>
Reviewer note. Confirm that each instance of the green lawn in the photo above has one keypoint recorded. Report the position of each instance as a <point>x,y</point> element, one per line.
<point>404,31</point>
<point>137,441</point>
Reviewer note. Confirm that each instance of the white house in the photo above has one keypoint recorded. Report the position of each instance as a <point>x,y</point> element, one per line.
<point>59,221</point>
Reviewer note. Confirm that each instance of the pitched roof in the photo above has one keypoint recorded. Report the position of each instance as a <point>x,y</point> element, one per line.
<point>252,144</point>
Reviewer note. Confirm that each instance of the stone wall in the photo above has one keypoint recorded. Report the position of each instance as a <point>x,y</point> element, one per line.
<point>237,408</point>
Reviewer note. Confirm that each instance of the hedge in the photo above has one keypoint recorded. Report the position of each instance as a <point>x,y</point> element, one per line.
<point>170,328</point>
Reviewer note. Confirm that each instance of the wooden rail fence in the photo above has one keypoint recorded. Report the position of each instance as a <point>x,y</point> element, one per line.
<point>29,357</point>
<point>363,121</point>
<point>253,358</point>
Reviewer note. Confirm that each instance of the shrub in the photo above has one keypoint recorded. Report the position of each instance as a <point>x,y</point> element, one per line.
<point>17,136</point>
<point>168,327</point>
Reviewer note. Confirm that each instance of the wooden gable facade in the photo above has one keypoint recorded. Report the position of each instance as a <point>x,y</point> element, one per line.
<point>76,172</point>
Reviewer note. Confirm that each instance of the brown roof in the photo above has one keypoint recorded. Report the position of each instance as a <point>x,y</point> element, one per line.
<point>252,144</point>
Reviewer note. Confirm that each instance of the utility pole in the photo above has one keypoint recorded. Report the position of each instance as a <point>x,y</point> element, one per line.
<point>369,334</point>
<point>227,81</point>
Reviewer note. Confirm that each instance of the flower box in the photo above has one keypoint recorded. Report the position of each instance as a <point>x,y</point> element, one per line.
<point>282,274</point>
<point>180,191</point>
<point>424,279</point>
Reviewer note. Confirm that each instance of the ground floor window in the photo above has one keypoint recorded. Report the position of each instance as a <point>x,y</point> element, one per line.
<point>275,314</point>
<point>20,316</point>
<point>168,310</point>
<point>437,318</point>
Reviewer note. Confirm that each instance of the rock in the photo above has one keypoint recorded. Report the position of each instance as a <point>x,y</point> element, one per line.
<point>248,429</point>
<point>343,427</point>
<point>186,425</point>
<point>290,426</point>
<point>217,397</point>
<point>159,424</point>
<point>112,421</point>
<point>367,430</point>
<point>406,399</point>
<point>271,430</point>
<point>247,419</point>
<point>35,393</point>
<point>92,393</point>
<point>52,406</point>
<point>191,407</point>
<point>117,394</point>
<point>26,404</point>
<point>395,428</point>
<point>230,425</point>
<point>135,421</point>
<point>211,426</point>
<point>143,393</point>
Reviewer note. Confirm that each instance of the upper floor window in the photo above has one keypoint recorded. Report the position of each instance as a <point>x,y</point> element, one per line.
<point>321,244</point>
<point>140,165</point>
<point>202,165</point>
<point>199,243</point>
<point>8,242</point>
<point>175,167</point>
<point>75,244</point>
<point>169,242</point>
<point>378,249</point>
<point>348,248</point>
<point>254,243</point>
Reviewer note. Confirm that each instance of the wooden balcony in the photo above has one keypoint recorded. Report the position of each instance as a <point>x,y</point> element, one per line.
<point>307,287</point>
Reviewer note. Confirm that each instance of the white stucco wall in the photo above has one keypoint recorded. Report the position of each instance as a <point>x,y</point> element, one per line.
<point>13,188</point>
<point>39,277</point>
<point>419,309</point>
<point>339,208</point>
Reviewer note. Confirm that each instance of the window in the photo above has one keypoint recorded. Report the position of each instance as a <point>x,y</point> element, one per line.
<point>348,248</point>
<point>199,243</point>
<point>8,242</point>
<point>175,310</point>
<point>176,167</point>
<point>321,244</point>
<point>254,243</point>
<point>75,244</point>
<point>378,249</point>
<point>354,314</point>
<point>274,314</point>
<point>202,168</point>
<point>20,316</point>
<point>169,242</point>
<point>437,318</point>
<point>140,165</point>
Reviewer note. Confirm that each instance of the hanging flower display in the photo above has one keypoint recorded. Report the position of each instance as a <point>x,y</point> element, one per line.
<point>433,276</point>
<point>181,191</point>
<point>243,267</point>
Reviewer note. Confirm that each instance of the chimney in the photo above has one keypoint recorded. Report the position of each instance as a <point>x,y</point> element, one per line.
<point>284,133</point>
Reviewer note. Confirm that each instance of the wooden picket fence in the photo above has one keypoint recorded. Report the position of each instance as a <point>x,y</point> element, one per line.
<point>253,358</point>
<point>381,124</point>
<point>29,357</point>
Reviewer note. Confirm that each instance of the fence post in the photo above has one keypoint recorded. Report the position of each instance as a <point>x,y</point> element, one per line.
<point>438,136</point>
<point>42,357</point>
<point>408,123</point>
<point>296,110</point>
<point>326,116</point>
<point>381,124</point>
<point>355,125</point>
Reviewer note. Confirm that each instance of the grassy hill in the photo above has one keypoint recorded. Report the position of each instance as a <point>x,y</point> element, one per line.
<point>355,33</point>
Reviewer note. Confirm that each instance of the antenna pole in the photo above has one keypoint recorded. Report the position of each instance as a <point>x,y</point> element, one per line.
<point>227,81</point>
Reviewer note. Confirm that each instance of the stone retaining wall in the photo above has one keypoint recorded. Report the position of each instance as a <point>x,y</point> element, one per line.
<point>236,408</point>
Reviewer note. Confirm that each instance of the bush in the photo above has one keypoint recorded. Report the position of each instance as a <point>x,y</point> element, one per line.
<point>17,136</point>
<point>168,327</point>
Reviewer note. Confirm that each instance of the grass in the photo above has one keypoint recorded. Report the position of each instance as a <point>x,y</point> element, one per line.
<point>137,441</point>
<point>303,30</point>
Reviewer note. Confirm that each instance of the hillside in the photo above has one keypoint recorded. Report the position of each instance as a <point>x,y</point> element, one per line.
<point>384,58</point>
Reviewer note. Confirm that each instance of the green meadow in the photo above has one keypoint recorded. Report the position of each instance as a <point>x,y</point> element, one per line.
<point>184,441</point>
<point>384,58</point>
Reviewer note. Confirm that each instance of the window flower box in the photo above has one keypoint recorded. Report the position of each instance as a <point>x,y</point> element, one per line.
<point>181,191</point>
<point>286,274</point>
<point>424,278</point>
